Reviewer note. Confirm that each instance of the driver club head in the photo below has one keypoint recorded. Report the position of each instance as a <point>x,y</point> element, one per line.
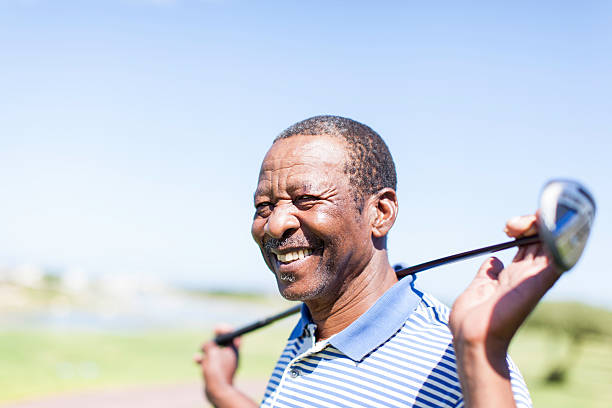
<point>565,218</point>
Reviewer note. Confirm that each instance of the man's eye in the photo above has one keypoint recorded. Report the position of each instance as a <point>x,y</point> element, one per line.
<point>305,197</point>
<point>263,209</point>
<point>305,200</point>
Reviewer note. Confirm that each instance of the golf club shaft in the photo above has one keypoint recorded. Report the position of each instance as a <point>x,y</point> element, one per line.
<point>534,239</point>
<point>226,338</point>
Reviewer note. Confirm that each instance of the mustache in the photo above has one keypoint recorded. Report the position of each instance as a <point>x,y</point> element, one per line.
<point>291,241</point>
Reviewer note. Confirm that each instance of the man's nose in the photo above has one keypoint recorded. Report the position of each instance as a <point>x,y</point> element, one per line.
<point>280,221</point>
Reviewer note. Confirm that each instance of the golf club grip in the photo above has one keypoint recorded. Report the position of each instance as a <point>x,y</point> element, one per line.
<point>226,338</point>
<point>533,239</point>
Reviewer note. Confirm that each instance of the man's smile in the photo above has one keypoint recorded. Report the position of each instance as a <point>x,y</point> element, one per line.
<point>287,259</point>
<point>291,256</point>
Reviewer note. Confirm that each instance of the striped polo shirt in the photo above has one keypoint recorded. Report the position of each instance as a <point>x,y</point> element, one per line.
<point>397,354</point>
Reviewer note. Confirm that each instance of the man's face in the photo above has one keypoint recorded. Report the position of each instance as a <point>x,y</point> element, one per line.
<point>306,222</point>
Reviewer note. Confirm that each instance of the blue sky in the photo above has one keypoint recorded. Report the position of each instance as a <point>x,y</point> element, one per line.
<point>131,132</point>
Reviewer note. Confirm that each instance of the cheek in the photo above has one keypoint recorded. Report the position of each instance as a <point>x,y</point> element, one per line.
<point>338,223</point>
<point>340,231</point>
<point>323,220</point>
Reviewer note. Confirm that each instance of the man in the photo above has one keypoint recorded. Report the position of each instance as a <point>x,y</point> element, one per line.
<point>324,204</point>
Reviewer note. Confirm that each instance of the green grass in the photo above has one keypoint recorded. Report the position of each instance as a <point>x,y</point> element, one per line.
<point>589,379</point>
<point>37,363</point>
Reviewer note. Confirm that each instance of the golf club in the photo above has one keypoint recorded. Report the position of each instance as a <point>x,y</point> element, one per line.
<point>564,220</point>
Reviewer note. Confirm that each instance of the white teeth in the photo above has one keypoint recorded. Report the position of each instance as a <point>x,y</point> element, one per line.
<point>292,256</point>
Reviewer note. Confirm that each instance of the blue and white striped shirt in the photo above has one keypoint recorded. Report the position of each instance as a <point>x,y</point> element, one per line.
<point>397,354</point>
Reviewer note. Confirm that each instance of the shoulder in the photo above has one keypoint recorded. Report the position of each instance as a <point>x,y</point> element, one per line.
<point>425,339</point>
<point>432,309</point>
<point>430,318</point>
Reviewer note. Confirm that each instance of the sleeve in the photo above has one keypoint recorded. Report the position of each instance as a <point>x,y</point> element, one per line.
<point>519,388</point>
<point>522,399</point>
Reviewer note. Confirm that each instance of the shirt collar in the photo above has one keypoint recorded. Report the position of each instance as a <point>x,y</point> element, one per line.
<point>376,325</point>
<point>300,327</point>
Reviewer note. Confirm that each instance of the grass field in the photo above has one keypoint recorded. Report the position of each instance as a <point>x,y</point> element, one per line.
<point>589,379</point>
<point>37,363</point>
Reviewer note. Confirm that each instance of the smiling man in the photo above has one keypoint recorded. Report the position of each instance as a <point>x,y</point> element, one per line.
<point>324,204</point>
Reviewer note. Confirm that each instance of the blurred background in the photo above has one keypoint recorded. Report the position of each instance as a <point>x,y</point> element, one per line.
<point>131,134</point>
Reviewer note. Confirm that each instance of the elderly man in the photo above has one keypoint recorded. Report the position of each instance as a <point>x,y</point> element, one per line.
<point>324,204</point>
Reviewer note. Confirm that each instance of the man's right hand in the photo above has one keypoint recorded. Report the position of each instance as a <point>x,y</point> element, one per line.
<point>219,366</point>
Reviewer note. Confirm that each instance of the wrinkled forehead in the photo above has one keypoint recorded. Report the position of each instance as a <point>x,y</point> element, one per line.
<point>307,160</point>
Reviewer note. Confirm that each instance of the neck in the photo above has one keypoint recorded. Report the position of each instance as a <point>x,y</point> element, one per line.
<point>356,297</point>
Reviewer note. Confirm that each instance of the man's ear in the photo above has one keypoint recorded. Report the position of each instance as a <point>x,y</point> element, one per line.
<point>383,207</point>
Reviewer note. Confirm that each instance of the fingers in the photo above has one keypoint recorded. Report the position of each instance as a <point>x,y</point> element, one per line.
<point>520,254</point>
<point>490,268</point>
<point>531,261</point>
<point>210,347</point>
<point>530,252</point>
<point>199,358</point>
<point>224,328</point>
<point>210,351</point>
<point>521,226</point>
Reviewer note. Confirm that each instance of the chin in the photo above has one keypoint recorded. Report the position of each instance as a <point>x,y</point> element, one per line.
<point>295,291</point>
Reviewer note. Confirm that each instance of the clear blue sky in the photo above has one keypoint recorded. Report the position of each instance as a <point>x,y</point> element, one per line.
<point>131,132</point>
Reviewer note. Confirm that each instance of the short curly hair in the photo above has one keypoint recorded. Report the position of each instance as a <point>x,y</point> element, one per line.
<point>370,166</point>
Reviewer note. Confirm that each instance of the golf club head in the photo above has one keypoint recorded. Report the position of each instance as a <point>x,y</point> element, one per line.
<point>566,214</point>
